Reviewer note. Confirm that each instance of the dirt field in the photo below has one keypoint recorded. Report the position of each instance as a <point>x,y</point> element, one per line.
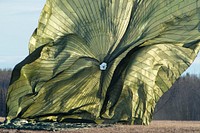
<point>154,127</point>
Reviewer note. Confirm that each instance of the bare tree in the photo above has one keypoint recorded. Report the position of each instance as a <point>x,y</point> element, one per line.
<point>5,75</point>
<point>182,101</point>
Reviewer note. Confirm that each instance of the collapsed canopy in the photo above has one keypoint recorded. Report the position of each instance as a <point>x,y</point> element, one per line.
<point>104,61</point>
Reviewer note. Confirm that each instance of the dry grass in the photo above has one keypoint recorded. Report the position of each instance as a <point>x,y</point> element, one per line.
<point>154,127</point>
<point>2,119</point>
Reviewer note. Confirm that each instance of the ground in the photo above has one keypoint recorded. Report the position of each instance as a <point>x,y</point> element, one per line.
<point>154,127</point>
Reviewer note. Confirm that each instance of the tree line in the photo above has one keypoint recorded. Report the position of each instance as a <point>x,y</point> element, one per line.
<point>181,102</point>
<point>5,75</point>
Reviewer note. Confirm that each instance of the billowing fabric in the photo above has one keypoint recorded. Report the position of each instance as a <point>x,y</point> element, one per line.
<point>104,61</point>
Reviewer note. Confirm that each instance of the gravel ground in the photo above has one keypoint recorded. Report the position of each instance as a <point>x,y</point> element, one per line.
<point>154,127</point>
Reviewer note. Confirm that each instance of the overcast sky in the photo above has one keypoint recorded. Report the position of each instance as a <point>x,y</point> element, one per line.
<point>18,19</point>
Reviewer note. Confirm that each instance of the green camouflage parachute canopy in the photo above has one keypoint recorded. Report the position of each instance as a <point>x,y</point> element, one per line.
<point>104,61</point>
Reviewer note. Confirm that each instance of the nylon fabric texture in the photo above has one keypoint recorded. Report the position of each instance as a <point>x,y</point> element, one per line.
<point>104,61</point>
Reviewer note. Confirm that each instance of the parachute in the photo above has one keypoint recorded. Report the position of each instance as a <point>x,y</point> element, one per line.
<point>103,61</point>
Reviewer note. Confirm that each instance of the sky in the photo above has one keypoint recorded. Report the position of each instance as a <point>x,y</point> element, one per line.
<point>18,20</point>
